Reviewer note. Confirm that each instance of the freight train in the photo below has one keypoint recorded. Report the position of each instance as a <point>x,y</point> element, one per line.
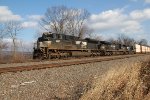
<point>53,45</point>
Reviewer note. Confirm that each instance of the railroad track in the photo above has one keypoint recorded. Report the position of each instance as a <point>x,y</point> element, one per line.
<point>61,64</point>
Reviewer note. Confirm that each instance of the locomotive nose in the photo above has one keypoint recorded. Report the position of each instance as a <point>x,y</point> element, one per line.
<point>44,44</point>
<point>103,47</point>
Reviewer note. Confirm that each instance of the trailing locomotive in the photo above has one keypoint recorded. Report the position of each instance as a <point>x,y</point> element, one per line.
<point>53,45</point>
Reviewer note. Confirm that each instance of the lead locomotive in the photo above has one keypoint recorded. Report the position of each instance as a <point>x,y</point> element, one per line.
<point>53,45</point>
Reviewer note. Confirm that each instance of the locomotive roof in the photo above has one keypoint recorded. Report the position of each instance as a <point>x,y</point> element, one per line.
<point>105,42</point>
<point>96,41</point>
<point>56,35</point>
<point>91,40</point>
<point>65,35</point>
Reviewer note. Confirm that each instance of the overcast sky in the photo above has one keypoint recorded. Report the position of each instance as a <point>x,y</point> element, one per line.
<point>108,17</point>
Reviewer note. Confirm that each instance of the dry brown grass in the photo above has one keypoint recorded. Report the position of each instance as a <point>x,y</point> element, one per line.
<point>18,58</point>
<point>126,83</point>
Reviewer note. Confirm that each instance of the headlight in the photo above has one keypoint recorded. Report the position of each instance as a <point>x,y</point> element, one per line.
<point>103,47</point>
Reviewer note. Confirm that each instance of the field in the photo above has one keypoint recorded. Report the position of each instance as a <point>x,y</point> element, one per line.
<point>123,79</point>
<point>7,57</point>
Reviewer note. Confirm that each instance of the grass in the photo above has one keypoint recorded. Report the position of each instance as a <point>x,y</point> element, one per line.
<point>127,83</point>
<point>19,58</point>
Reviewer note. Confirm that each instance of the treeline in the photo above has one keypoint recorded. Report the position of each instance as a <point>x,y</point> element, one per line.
<point>126,40</point>
<point>9,29</point>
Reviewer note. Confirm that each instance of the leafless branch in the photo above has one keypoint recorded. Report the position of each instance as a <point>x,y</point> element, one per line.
<point>65,20</point>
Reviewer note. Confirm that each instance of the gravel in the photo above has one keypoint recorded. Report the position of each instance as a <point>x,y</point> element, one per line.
<point>65,83</point>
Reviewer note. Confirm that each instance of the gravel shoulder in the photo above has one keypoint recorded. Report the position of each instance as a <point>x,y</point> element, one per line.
<point>66,83</point>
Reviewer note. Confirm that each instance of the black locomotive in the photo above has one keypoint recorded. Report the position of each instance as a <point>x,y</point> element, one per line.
<point>53,45</point>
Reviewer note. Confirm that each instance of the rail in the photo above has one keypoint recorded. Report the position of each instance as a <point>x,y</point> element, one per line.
<point>61,64</point>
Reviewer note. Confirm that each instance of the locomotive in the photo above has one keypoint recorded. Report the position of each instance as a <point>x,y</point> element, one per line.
<point>54,45</point>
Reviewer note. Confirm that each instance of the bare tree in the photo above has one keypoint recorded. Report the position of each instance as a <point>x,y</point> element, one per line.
<point>38,34</point>
<point>65,20</point>
<point>112,40</point>
<point>97,37</point>
<point>2,30</point>
<point>2,35</point>
<point>12,30</point>
<point>76,22</point>
<point>3,44</point>
<point>86,32</point>
<point>143,42</point>
<point>123,39</point>
<point>54,19</point>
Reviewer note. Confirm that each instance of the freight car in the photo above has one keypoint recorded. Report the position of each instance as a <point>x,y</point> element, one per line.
<point>53,45</point>
<point>142,48</point>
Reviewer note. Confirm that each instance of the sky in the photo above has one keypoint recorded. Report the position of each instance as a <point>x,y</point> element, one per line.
<point>108,18</point>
